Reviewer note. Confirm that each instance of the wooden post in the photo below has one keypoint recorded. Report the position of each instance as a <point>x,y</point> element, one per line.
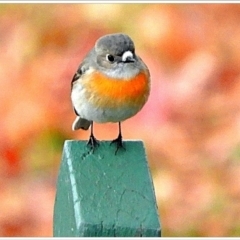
<point>101,194</point>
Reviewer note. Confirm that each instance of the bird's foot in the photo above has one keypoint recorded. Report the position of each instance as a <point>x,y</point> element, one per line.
<point>119,143</point>
<point>93,143</point>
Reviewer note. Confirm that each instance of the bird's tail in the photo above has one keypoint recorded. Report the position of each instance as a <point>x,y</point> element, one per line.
<point>80,123</point>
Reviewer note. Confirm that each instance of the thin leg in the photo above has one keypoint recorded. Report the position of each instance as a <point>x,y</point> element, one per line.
<point>92,142</point>
<point>118,140</point>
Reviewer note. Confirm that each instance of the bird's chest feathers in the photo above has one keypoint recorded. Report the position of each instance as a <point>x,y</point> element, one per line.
<point>103,90</point>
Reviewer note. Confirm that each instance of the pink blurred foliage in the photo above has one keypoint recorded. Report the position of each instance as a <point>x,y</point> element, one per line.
<point>190,124</point>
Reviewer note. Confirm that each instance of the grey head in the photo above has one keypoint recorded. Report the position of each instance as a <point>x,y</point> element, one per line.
<point>115,44</point>
<point>115,56</point>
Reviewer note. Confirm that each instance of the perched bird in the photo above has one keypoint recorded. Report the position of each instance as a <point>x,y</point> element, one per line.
<point>111,84</point>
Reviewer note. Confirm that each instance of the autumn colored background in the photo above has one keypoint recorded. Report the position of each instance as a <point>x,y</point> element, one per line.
<point>190,125</point>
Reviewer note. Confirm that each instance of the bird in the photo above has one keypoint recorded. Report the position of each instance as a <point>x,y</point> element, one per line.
<point>111,84</point>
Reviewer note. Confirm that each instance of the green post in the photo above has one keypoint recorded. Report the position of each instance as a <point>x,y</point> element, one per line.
<point>101,194</point>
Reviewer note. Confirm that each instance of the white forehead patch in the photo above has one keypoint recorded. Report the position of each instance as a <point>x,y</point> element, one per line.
<point>126,55</point>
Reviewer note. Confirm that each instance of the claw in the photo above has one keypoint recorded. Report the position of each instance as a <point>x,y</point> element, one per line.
<point>119,143</point>
<point>93,143</point>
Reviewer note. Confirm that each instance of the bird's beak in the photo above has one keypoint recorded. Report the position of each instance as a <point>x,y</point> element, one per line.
<point>128,57</point>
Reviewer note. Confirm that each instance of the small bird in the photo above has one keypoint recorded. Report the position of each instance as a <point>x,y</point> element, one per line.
<point>111,84</point>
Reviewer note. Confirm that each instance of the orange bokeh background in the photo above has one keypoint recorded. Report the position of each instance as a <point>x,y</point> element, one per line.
<point>190,125</point>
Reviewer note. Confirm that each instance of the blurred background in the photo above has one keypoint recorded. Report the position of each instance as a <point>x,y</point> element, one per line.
<point>190,125</point>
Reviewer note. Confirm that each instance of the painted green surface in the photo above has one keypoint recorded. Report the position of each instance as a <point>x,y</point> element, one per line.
<point>103,194</point>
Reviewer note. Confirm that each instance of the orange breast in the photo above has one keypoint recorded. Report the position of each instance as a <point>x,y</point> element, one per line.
<point>112,92</point>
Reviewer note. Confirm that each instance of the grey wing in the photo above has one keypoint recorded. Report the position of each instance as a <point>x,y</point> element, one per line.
<point>79,122</point>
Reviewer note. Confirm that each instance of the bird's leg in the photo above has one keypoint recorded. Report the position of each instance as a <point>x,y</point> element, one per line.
<point>92,142</point>
<point>118,140</point>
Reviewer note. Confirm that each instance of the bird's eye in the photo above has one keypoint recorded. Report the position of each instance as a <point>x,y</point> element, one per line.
<point>110,58</point>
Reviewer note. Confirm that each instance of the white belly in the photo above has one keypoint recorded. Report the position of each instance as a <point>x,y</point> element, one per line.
<point>92,113</point>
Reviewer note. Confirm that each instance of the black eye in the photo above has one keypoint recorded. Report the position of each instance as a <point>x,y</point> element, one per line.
<point>110,58</point>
